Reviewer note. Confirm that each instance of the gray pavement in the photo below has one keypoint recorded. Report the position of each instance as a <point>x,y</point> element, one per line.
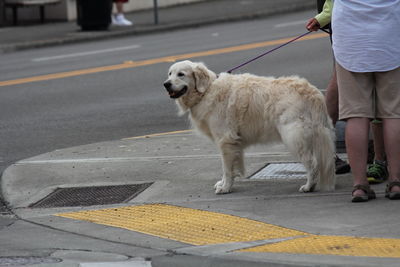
<point>170,18</point>
<point>182,168</point>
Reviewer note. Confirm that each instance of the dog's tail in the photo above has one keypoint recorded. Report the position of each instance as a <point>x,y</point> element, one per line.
<point>323,145</point>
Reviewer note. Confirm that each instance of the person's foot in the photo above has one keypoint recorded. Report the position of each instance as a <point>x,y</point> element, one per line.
<point>341,166</point>
<point>362,193</point>
<point>393,190</point>
<point>120,20</point>
<point>377,173</point>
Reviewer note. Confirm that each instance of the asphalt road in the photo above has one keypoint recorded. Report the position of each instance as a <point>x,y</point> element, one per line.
<point>42,116</point>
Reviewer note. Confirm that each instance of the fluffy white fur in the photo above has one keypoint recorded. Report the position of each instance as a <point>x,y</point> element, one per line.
<point>236,111</point>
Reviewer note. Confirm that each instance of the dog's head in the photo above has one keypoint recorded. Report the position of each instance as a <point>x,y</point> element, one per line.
<point>188,81</point>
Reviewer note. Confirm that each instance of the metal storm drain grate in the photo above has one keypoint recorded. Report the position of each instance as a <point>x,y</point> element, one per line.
<point>89,196</point>
<point>281,170</point>
<point>3,208</point>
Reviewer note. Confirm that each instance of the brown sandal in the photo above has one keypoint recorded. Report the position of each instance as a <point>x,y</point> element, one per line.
<point>392,195</point>
<point>369,193</point>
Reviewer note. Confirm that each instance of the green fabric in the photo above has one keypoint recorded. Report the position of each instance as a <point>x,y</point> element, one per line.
<point>377,172</point>
<point>324,17</point>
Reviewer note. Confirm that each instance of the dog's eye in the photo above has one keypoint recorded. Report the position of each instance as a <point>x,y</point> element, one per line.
<point>169,74</point>
<point>181,74</point>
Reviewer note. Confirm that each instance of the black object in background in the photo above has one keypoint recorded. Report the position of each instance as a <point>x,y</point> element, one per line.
<point>94,15</point>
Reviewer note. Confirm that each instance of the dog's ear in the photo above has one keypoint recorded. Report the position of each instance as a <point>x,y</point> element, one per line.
<point>202,77</point>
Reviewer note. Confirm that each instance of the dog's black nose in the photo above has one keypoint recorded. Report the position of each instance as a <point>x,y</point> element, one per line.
<point>167,85</point>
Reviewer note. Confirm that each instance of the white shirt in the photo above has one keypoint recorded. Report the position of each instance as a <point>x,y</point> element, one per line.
<point>366,34</point>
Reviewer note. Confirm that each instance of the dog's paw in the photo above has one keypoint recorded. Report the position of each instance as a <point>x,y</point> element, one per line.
<point>222,188</point>
<point>307,188</point>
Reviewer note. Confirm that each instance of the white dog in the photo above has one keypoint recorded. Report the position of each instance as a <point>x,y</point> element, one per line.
<point>236,111</point>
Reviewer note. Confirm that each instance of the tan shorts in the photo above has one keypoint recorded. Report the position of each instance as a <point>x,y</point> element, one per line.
<point>368,95</point>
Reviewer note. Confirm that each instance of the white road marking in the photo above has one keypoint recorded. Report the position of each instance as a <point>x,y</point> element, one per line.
<point>87,53</point>
<point>167,158</point>
<point>292,23</point>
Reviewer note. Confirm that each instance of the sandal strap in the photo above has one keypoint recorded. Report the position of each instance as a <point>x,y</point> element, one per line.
<point>391,184</point>
<point>366,188</point>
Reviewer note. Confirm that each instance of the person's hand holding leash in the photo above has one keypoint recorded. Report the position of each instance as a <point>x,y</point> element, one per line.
<point>313,25</point>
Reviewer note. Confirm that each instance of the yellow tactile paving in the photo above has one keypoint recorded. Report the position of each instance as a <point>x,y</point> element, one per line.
<point>335,245</point>
<point>186,225</point>
<point>199,227</point>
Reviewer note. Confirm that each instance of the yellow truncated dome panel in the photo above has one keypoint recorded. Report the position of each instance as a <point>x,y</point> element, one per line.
<point>186,225</point>
<point>198,227</point>
<point>335,245</point>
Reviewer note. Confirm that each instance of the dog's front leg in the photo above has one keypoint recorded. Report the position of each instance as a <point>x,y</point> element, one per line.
<point>233,166</point>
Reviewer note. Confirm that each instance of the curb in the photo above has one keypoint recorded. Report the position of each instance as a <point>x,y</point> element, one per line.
<point>201,261</point>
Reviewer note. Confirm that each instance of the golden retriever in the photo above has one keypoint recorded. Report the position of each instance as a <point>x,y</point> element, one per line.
<point>236,111</point>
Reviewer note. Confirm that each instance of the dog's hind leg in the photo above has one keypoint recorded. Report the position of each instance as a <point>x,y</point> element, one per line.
<point>312,176</point>
<point>233,165</point>
<point>298,139</point>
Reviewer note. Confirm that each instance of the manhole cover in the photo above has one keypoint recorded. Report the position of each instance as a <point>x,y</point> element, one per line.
<point>281,170</point>
<point>89,196</point>
<point>18,261</point>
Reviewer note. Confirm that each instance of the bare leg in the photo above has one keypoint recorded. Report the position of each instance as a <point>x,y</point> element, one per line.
<point>332,104</point>
<point>391,133</point>
<point>120,7</point>
<point>357,150</point>
<point>331,98</point>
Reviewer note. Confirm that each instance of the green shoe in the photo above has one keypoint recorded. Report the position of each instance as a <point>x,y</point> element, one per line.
<point>377,173</point>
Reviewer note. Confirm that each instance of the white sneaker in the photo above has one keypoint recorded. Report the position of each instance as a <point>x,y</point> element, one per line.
<point>120,20</point>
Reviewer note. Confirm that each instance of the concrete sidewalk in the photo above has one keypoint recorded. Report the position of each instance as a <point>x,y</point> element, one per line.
<point>178,220</point>
<point>170,18</point>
